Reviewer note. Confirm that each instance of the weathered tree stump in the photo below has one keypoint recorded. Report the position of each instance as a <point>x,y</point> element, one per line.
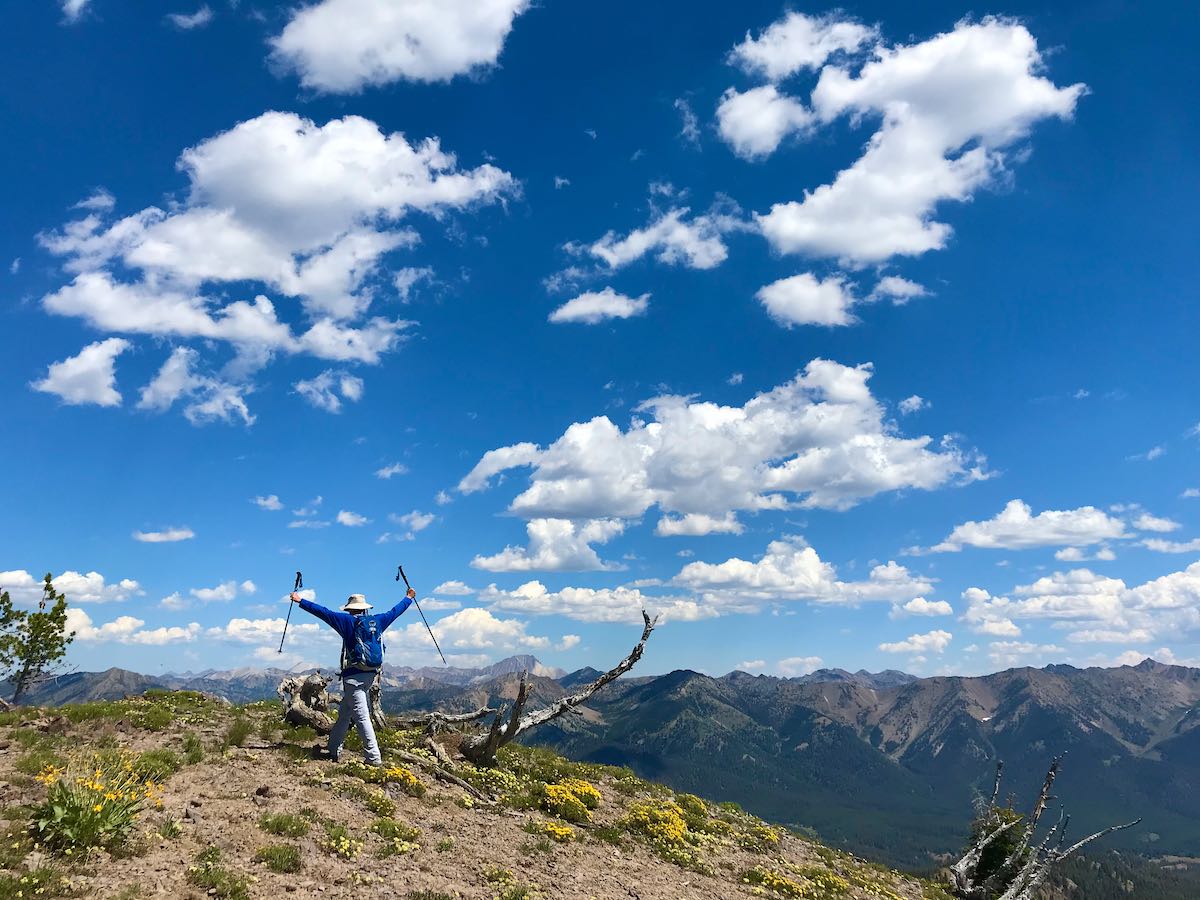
<point>305,702</point>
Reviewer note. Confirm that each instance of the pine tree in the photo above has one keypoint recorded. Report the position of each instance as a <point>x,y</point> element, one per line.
<point>32,643</point>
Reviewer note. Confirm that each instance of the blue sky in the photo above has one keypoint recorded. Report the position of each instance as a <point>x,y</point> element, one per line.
<point>858,337</point>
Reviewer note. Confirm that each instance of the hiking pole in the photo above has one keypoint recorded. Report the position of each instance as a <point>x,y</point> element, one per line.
<point>400,574</point>
<point>299,584</point>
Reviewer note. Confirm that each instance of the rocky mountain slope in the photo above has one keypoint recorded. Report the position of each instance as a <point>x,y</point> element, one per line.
<point>229,804</point>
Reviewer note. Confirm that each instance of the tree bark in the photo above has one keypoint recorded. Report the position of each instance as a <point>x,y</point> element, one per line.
<point>305,702</point>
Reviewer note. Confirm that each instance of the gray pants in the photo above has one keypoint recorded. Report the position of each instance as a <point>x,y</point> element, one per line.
<point>356,708</point>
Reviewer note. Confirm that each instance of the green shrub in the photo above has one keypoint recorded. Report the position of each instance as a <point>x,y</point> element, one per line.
<point>239,729</point>
<point>193,748</point>
<point>209,875</point>
<point>283,858</point>
<point>170,829</point>
<point>284,824</point>
<point>37,761</point>
<point>390,828</point>
<point>340,842</point>
<point>157,765</point>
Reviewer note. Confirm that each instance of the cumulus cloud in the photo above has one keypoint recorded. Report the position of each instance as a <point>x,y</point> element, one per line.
<point>87,377</point>
<point>351,519</point>
<point>166,536</point>
<point>73,9</point>
<point>390,470</point>
<point>792,570</point>
<point>272,503</point>
<point>453,589</point>
<point>476,628</point>
<point>26,590</point>
<point>898,290</point>
<point>1158,545</point>
<point>620,604</point>
<point>223,592</point>
<point>556,545</point>
<point>817,441</point>
<point>206,399</point>
<point>672,237</point>
<point>919,606</point>
<point>794,666</point>
<point>410,523</point>
<point>1147,522</point>
<point>1095,608</point>
<point>915,403</point>
<point>1078,554</point>
<point>1016,528</point>
<point>128,630</point>
<point>805,299</point>
<point>798,42</point>
<point>327,390</point>
<point>949,106</point>
<point>931,642</point>
<point>188,21</point>
<point>698,524</point>
<point>593,307</point>
<point>1012,653</point>
<point>755,122</point>
<point>342,46</point>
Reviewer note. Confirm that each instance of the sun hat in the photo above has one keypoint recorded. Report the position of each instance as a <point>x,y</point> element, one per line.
<point>356,602</point>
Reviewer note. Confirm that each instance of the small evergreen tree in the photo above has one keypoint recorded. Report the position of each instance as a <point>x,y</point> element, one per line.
<point>31,643</point>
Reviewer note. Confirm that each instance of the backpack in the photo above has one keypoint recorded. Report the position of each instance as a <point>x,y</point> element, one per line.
<point>364,649</point>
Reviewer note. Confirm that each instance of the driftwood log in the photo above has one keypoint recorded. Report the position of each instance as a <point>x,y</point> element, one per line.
<point>1023,871</point>
<point>306,703</point>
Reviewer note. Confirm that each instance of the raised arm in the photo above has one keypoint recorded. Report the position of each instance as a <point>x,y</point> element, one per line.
<point>387,618</point>
<point>328,616</point>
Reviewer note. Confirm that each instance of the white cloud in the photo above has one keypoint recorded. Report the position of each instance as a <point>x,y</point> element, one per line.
<point>408,278</point>
<point>950,106</point>
<point>342,46</point>
<point>755,122</point>
<point>795,666</point>
<point>696,243</point>
<point>593,307</point>
<point>222,593</point>
<point>308,523</point>
<point>272,502</point>
<point>1149,456</point>
<point>556,545</point>
<point>735,379</point>
<point>1015,528</point>
<point>567,642</point>
<point>751,665</point>
<point>1078,554</point>
<point>619,604</point>
<point>388,471</point>
<point>166,536</point>
<point>1012,653</point>
<point>690,125</point>
<point>174,601</point>
<point>208,399</point>
<point>351,519</point>
<point>915,403</point>
<point>188,21</point>
<point>931,642</point>
<point>307,211</point>
<point>73,9</point>
<point>78,587</point>
<point>266,631</point>
<point>792,570</point>
<point>919,606</point>
<point>99,200</point>
<point>411,522</point>
<point>87,377</point>
<point>1160,546</point>
<point>1147,522</point>
<point>1190,493</point>
<point>698,524</point>
<point>311,508</point>
<point>898,290</point>
<point>805,299</point>
<point>327,390</point>
<point>453,589</point>
<point>797,42</point>
<point>818,441</point>
<point>128,630</point>
<point>433,605</point>
<point>475,628</point>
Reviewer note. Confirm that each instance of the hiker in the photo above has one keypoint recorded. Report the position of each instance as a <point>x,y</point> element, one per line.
<point>362,658</point>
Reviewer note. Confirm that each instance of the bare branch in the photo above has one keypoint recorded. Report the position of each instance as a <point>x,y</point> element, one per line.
<point>1099,834</point>
<point>996,783</point>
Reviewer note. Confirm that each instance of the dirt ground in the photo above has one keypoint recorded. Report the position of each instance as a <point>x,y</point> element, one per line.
<point>219,802</point>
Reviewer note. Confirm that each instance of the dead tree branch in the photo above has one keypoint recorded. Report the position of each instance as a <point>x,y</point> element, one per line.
<point>1026,866</point>
<point>481,749</point>
<point>435,722</point>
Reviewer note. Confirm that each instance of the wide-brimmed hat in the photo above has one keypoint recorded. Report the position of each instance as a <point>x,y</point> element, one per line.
<point>356,602</point>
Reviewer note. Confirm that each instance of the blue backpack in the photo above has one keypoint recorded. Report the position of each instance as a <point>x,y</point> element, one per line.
<point>364,650</point>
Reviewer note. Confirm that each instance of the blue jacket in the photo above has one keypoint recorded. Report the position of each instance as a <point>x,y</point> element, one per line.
<point>343,622</point>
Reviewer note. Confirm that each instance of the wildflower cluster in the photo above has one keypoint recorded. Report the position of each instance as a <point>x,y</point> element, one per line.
<point>759,838</point>
<point>814,884</point>
<point>398,837</point>
<point>496,782</point>
<point>337,840</point>
<point>397,775</point>
<point>571,799</point>
<point>560,834</point>
<point>92,803</point>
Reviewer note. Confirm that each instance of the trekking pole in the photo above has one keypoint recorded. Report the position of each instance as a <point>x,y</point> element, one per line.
<point>400,574</point>
<point>299,584</point>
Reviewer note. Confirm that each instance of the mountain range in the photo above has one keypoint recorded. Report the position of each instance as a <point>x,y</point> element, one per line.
<point>884,763</point>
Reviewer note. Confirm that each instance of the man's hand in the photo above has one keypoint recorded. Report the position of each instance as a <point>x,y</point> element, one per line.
<point>296,598</point>
<point>411,594</point>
